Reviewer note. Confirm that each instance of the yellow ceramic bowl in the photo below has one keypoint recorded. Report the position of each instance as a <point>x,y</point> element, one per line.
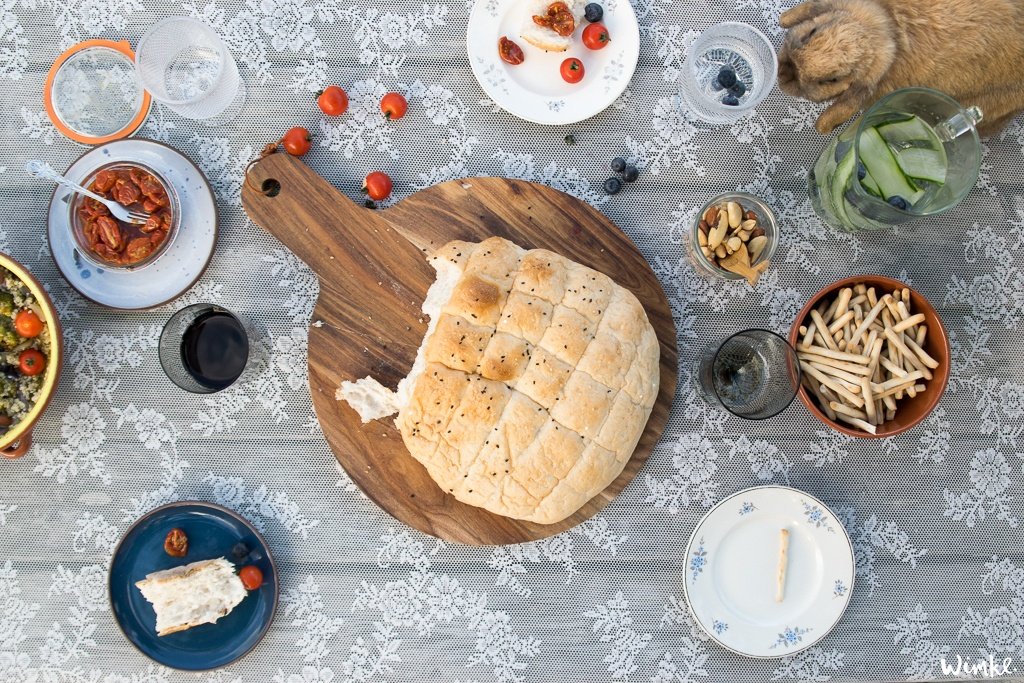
<point>16,441</point>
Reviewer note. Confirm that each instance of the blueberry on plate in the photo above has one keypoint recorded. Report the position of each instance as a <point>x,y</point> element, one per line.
<point>730,100</point>
<point>239,552</point>
<point>593,12</point>
<point>612,185</point>
<point>862,171</point>
<point>726,77</point>
<point>738,88</point>
<point>618,164</point>
<point>899,202</point>
<point>630,174</point>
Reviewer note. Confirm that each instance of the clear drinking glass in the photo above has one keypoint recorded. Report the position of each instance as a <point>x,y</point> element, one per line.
<point>754,374</point>
<point>184,64</point>
<point>205,348</point>
<point>909,133</point>
<point>743,48</point>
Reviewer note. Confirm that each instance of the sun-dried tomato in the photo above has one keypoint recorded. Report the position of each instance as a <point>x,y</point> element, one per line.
<point>558,18</point>
<point>510,52</point>
<point>176,543</point>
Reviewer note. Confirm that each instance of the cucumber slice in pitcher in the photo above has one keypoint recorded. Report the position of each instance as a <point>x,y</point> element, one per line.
<point>840,181</point>
<point>884,169</point>
<point>870,185</point>
<point>911,132</point>
<point>923,164</point>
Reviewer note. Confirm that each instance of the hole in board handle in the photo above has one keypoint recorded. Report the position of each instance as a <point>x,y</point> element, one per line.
<point>271,187</point>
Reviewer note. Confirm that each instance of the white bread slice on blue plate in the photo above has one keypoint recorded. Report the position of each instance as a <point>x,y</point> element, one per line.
<point>193,594</point>
<point>541,36</point>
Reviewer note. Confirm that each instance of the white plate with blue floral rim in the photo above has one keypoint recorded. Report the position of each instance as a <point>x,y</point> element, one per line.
<point>731,567</point>
<point>174,271</point>
<point>534,90</point>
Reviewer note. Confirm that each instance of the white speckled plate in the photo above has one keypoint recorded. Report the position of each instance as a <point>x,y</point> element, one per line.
<point>177,269</point>
<point>731,563</point>
<point>534,90</point>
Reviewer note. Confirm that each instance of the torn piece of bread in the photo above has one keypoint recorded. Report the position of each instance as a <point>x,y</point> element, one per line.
<point>543,37</point>
<point>193,594</point>
<point>533,383</point>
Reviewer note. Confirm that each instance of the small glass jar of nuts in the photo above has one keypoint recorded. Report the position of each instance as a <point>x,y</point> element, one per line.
<point>733,237</point>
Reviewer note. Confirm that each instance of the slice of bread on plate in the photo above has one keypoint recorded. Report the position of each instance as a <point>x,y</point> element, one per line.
<point>545,38</point>
<point>193,594</point>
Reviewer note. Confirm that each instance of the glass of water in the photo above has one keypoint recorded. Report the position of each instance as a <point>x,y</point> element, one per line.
<point>738,48</point>
<point>754,374</point>
<point>185,65</point>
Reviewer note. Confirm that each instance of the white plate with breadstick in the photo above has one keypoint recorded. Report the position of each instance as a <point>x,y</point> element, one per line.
<point>768,572</point>
<point>874,356</point>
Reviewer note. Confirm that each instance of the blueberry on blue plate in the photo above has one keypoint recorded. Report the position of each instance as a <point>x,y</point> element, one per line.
<point>593,12</point>
<point>899,202</point>
<point>726,77</point>
<point>612,185</point>
<point>239,552</point>
<point>738,88</point>
<point>630,174</point>
<point>618,164</point>
<point>862,171</point>
<point>730,100</point>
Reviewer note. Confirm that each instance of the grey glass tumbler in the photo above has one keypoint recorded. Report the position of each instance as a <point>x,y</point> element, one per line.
<point>754,374</point>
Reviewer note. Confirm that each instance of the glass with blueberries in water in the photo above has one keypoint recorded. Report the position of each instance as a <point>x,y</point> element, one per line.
<point>731,67</point>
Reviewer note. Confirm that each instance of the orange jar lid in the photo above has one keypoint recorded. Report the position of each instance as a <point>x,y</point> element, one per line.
<point>92,94</point>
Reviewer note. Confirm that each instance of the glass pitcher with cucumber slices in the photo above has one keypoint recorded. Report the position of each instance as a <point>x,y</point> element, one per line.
<point>915,153</point>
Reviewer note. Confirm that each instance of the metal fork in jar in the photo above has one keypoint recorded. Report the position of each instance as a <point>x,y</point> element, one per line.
<point>41,169</point>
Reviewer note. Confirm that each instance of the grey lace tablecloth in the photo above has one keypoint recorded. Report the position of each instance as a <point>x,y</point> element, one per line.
<point>934,514</point>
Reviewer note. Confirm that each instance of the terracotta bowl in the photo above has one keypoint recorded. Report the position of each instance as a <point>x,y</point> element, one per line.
<point>910,411</point>
<point>15,443</point>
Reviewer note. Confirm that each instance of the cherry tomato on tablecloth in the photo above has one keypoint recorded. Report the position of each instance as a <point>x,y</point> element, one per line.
<point>377,186</point>
<point>251,576</point>
<point>595,36</point>
<point>332,101</point>
<point>296,141</point>
<point>31,362</point>
<point>393,105</point>
<point>572,70</point>
<point>28,324</point>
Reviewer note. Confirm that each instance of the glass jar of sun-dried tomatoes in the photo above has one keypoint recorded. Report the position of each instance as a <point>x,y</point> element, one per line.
<point>110,243</point>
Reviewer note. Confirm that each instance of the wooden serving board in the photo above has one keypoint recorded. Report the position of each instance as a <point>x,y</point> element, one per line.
<point>374,275</point>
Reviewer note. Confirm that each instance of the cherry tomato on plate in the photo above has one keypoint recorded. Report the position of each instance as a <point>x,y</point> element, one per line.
<point>28,324</point>
<point>296,141</point>
<point>377,186</point>
<point>393,105</point>
<point>31,362</point>
<point>509,52</point>
<point>595,36</point>
<point>332,101</point>
<point>572,70</point>
<point>251,576</point>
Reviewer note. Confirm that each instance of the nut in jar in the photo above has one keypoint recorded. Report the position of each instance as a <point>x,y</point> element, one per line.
<point>731,237</point>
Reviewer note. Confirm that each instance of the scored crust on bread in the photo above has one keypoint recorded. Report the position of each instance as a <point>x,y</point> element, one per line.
<point>543,37</point>
<point>192,594</point>
<point>533,384</point>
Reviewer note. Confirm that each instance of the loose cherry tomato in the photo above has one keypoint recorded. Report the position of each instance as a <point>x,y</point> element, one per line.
<point>332,101</point>
<point>377,186</point>
<point>251,576</point>
<point>595,36</point>
<point>509,52</point>
<point>572,70</point>
<point>393,105</point>
<point>28,324</point>
<point>31,362</point>
<point>296,141</point>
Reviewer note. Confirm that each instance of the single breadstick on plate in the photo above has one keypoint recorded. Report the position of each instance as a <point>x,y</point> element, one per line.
<point>859,424</point>
<point>822,331</point>
<point>780,586</point>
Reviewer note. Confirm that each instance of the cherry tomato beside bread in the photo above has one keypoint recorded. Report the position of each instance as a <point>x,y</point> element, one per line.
<point>28,324</point>
<point>296,141</point>
<point>572,70</point>
<point>595,36</point>
<point>509,52</point>
<point>251,576</point>
<point>31,362</point>
<point>332,101</point>
<point>377,186</point>
<point>393,105</point>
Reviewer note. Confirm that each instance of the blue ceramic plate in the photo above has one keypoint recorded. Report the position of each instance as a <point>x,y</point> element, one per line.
<point>212,531</point>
